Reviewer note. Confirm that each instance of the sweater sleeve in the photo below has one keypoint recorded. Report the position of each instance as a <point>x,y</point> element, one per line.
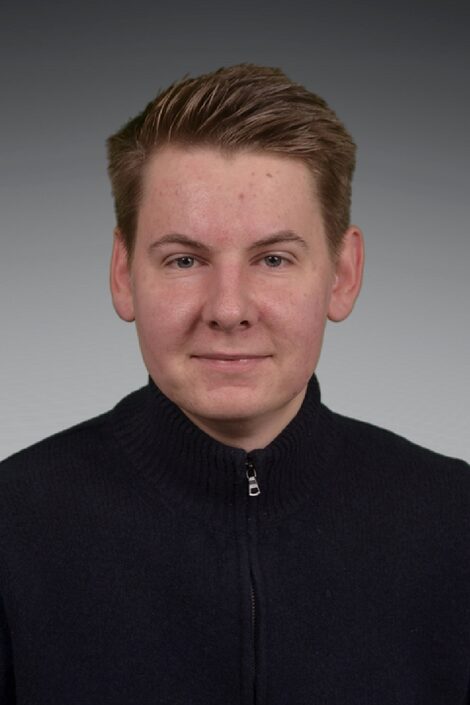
<point>7,680</point>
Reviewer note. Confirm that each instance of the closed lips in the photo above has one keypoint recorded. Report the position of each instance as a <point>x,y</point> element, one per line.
<point>239,356</point>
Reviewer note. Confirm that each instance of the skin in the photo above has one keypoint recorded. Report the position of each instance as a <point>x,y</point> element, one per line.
<point>230,285</point>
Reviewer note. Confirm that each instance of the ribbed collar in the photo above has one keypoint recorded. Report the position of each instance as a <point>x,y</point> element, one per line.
<point>194,471</point>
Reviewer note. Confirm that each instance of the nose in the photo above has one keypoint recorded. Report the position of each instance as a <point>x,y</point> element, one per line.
<point>229,303</point>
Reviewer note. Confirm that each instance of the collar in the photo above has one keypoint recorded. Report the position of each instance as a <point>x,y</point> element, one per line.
<point>202,476</point>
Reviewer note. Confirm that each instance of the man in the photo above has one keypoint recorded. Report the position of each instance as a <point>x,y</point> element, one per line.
<point>220,536</point>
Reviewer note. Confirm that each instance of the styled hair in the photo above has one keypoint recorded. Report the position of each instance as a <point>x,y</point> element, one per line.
<point>242,107</point>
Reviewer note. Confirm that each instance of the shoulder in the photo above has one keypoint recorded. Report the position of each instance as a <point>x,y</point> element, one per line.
<point>63,453</point>
<point>49,482</point>
<point>87,443</point>
<point>388,454</point>
<point>85,446</point>
<point>409,489</point>
<point>78,472</point>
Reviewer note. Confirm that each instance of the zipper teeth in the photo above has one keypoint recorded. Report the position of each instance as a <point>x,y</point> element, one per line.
<point>253,607</point>
<point>253,491</point>
<point>253,634</point>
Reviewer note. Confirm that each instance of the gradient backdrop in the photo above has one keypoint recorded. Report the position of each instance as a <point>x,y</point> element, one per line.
<point>398,76</point>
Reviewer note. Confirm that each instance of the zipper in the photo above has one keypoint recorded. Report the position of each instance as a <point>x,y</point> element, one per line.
<point>253,607</point>
<point>253,487</point>
<point>253,491</point>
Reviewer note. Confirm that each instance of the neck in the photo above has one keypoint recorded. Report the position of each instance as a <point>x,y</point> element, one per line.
<point>248,433</point>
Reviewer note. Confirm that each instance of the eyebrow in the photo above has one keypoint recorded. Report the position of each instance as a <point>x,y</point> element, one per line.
<point>273,239</point>
<point>177,239</point>
<point>279,237</point>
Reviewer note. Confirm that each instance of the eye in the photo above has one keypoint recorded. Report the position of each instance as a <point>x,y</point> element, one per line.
<point>183,262</point>
<point>274,260</point>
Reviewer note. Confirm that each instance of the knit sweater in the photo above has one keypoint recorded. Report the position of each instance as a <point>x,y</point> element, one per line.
<point>139,565</point>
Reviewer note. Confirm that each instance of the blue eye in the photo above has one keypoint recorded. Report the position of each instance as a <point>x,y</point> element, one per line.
<point>184,262</point>
<point>273,260</point>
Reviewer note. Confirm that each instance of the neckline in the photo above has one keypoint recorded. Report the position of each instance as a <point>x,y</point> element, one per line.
<point>200,475</point>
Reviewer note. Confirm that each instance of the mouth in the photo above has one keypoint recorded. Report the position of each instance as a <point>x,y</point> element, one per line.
<point>229,357</point>
<point>230,362</point>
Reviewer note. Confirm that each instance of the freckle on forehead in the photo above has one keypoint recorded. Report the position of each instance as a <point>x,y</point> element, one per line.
<point>241,196</point>
<point>268,174</point>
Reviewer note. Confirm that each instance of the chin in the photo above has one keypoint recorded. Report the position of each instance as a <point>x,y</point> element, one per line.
<point>228,405</point>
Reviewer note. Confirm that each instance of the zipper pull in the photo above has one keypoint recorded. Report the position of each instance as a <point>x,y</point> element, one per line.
<point>253,487</point>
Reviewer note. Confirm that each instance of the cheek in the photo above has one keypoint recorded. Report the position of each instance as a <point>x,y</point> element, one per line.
<point>161,319</point>
<point>301,334</point>
<point>303,316</point>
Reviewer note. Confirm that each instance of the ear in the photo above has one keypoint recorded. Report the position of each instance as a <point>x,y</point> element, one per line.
<point>120,279</point>
<point>348,275</point>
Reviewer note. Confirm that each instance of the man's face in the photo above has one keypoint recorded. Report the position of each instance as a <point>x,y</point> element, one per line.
<point>230,283</point>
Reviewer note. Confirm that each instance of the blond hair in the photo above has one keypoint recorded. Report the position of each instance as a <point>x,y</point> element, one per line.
<point>239,107</point>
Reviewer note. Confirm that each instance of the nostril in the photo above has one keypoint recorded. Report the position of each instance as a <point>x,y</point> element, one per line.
<point>215,324</point>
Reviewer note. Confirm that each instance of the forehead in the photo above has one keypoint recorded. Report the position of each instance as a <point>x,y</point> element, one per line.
<point>206,190</point>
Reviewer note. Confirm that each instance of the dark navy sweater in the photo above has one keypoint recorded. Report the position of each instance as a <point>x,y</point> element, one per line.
<point>135,567</point>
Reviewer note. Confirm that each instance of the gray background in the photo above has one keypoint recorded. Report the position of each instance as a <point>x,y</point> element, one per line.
<point>398,77</point>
